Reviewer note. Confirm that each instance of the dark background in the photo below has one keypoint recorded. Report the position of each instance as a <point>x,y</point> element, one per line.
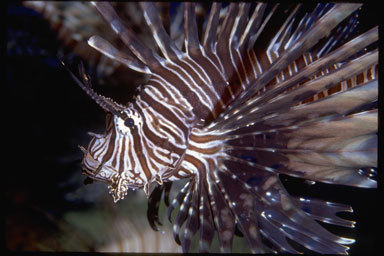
<point>47,116</point>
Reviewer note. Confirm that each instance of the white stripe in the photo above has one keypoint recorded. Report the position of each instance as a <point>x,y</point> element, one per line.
<point>242,64</point>
<point>101,151</point>
<point>156,95</point>
<point>116,151</point>
<point>217,57</point>
<point>236,68</point>
<point>139,168</point>
<point>127,163</point>
<point>189,166</point>
<point>162,121</point>
<point>150,113</point>
<point>156,35</point>
<point>213,64</point>
<point>207,82</point>
<point>196,88</point>
<point>173,89</point>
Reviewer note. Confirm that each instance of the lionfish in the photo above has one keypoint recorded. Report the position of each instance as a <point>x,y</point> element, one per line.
<point>230,113</point>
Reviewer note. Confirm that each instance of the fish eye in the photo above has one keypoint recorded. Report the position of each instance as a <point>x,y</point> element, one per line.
<point>129,122</point>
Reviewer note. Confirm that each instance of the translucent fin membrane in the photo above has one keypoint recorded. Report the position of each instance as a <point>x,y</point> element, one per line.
<point>303,44</point>
<point>348,70</point>
<point>325,211</point>
<point>293,97</point>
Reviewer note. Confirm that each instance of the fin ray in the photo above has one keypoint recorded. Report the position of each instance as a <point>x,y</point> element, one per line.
<point>166,45</point>
<point>209,39</point>
<point>190,29</point>
<point>142,52</point>
<point>320,29</point>
<point>109,50</point>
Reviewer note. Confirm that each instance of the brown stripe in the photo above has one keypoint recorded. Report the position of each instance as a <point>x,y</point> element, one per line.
<point>91,145</point>
<point>121,155</point>
<point>131,159</point>
<point>183,113</point>
<point>152,156</point>
<point>110,147</point>
<point>199,109</point>
<point>229,70</point>
<point>96,150</point>
<point>248,64</point>
<point>166,113</point>
<point>220,85</point>
<point>196,162</point>
<point>240,61</point>
<point>207,151</point>
<point>160,142</point>
<point>154,138</point>
<point>202,84</point>
<point>139,152</point>
<point>204,138</point>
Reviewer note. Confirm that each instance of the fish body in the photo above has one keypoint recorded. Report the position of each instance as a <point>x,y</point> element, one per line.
<point>231,118</point>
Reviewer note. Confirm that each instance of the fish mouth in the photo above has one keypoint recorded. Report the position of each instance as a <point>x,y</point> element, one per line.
<point>96,170</point>
<point>99,171</point>
<point>91,174</point>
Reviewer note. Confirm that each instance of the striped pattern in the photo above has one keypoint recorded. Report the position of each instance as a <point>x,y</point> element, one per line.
<point>231,117</point>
